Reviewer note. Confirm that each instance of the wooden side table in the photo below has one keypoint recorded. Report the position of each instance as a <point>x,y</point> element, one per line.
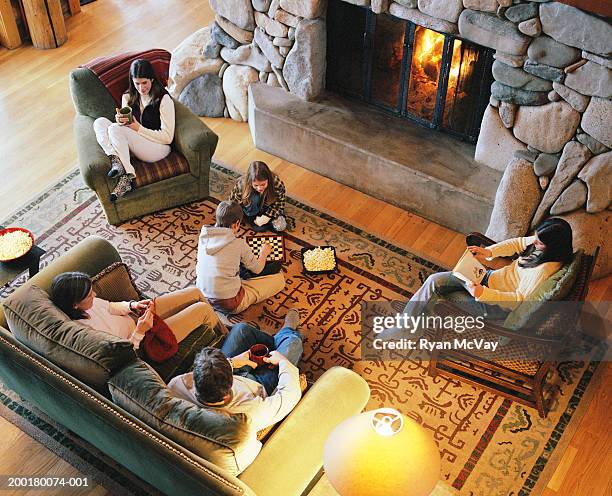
<point>45,22</point>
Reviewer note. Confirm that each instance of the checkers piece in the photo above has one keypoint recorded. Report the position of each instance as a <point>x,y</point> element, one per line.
<point>275,240</point>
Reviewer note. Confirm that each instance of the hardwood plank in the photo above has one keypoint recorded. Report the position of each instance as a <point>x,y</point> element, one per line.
<point>563,469</point>
<point>37,148</point>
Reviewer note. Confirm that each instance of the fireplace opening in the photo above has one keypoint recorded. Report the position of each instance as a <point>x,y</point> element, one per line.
<point>435,79</point>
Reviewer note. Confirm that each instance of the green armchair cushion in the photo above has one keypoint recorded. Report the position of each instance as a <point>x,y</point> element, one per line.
<point>555,288</point>
<point>89,355</point>
<point>213,435</point>
<point>172,165</point>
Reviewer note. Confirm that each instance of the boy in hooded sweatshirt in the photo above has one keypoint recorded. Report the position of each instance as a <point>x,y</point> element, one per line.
<point>220,253</point>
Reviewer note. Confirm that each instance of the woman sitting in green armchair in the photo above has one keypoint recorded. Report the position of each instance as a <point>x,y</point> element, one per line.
<point>147,134</point>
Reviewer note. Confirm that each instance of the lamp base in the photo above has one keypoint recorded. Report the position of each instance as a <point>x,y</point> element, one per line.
<point>324,488</point>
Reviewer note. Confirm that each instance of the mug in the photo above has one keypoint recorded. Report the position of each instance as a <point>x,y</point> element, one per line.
<point>258,352</point>
<point>126,112</point>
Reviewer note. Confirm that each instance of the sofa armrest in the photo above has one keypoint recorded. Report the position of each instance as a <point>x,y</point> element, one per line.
<point>191,135</point>
<point>93,162</point>
<point>293,456</point>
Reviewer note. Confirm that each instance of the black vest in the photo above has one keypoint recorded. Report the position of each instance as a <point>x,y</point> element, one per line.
<point>150,116</point>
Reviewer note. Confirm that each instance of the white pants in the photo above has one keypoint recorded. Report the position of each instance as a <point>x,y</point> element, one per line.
<point>121,140</point>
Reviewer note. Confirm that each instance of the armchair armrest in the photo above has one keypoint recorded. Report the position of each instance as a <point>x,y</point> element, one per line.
<point>93,162</point>
<point>446,308</point>
<point>478,239</point>
<point>293,456</point>
<point>191,135</point>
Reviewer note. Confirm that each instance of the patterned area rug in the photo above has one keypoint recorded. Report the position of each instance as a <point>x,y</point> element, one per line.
<point>489,446</point>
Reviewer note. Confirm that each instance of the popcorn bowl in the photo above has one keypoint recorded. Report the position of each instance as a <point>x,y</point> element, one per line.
<point>15,242</point>
<point>319,272</point>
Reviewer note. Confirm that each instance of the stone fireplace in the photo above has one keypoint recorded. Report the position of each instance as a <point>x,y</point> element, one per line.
<point>434,79</point>
<point>392,105</point>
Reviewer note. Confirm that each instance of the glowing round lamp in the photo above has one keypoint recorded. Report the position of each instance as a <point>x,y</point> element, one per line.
<point>381,453</point>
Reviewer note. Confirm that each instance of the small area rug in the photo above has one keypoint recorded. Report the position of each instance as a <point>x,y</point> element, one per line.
<point>489,446</point>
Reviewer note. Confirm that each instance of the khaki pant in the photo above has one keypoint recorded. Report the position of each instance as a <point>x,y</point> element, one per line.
<point>258,289</point>
<point>185,310</point>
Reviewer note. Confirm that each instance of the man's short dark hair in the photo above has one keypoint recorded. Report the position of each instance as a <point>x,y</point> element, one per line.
<point>228,213</point>
<point>212,375</point>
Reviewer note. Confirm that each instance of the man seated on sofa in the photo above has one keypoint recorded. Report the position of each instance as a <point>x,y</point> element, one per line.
<point>226,379</point>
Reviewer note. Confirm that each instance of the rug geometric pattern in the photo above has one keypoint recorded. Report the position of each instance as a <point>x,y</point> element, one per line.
<point>489,446</point>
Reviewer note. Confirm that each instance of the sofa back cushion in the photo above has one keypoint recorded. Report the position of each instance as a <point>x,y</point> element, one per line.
<point>90,356</point>
<point>531,312</point>
<point>212,435</point>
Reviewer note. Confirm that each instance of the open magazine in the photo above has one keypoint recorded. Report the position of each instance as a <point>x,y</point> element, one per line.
<point>469,269</point>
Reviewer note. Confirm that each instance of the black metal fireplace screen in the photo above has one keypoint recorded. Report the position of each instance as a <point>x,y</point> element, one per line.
<point>435,79</point>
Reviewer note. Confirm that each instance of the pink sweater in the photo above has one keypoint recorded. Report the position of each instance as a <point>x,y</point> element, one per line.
<point>114,318</point>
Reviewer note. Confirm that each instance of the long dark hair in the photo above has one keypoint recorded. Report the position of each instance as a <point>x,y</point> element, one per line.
<point>68,289</point>
<point>259,171</point>
<point>556,234</point>
<point>142,68</point>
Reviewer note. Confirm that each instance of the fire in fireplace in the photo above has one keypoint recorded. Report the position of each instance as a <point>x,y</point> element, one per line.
<point>435,79</point>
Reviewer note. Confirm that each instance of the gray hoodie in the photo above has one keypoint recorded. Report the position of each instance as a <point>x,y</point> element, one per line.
<point>218,267</point>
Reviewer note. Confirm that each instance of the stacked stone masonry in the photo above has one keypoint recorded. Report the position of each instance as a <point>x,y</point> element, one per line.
<point>551,98</point>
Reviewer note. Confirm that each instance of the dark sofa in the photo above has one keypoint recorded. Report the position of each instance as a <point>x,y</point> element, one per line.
<point>146,439</point>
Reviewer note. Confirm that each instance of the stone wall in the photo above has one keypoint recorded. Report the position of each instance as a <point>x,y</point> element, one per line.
<point>548,125</point>
<point>277,42</point>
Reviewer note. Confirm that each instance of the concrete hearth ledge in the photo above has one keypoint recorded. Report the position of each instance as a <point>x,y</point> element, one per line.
<point>417,169</point>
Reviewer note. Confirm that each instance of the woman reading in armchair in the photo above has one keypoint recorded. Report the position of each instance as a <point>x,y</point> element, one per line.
<point>146,133</point>
<point>540,256</point>
<point>183,311</point>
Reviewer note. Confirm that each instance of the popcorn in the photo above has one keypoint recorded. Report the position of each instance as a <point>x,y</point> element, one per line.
<point>14,244</point>
<point>319,259</point>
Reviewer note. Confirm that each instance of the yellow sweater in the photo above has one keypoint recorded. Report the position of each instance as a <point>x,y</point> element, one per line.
<point>512,284</point>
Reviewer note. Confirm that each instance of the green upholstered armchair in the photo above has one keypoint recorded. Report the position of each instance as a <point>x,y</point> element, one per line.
<point>180,178</point>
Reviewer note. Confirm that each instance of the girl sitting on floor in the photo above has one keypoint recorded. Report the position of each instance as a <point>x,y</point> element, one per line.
<point>147,136</point>
<point>183,311</point>
<point>261,194</point>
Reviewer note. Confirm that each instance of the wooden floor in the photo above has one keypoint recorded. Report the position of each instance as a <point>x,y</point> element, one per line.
<point>36,148</point>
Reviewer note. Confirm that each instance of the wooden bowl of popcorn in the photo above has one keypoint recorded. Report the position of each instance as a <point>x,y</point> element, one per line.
<point>319,260</point>
<point>15,242</point>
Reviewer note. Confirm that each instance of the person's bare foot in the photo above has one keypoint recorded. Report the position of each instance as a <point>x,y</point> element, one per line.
<point>292,319</point>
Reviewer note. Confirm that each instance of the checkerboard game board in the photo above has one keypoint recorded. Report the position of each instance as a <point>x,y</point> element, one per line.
<point>277,242</point>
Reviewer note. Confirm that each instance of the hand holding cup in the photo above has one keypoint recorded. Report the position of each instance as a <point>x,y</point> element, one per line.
<point>258,353</point>
<point>123,115</point>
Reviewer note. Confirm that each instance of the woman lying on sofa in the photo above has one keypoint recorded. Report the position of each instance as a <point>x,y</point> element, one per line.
<point>183,311</point>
